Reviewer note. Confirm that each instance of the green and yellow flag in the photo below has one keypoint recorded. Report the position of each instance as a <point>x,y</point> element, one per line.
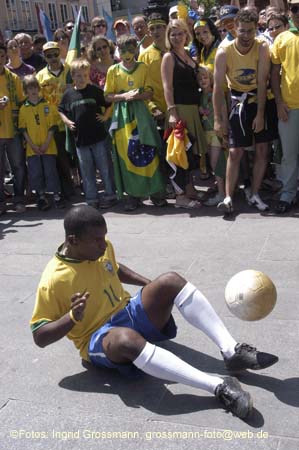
<point>136,144</point>
<point>74,47</point>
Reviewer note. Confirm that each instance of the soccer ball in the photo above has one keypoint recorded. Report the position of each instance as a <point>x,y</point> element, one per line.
<point>250,295</point>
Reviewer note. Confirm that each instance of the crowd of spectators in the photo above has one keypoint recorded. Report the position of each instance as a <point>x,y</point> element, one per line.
<point>178,93</point>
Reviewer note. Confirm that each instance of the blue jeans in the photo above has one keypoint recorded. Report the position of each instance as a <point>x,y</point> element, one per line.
<point>289,136</point>
<point>16,157</point>
<point>92,157</point>
<point>42,173</point>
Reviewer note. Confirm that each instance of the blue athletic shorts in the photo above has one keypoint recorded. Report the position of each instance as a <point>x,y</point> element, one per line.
<point>132,316</point>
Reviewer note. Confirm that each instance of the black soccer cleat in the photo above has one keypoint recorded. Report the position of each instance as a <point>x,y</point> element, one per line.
<point>234,399</point>
<point>248,357</point>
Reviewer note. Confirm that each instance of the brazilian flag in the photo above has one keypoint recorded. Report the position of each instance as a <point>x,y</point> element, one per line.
<point>136,144</point>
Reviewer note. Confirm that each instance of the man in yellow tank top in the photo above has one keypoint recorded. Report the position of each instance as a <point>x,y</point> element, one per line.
<point>245,63</point>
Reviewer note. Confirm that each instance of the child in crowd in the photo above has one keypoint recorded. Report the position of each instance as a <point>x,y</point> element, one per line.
<point>80,109</point>
<point>136,140</point>
<point>38,121</point>
<point>215,147</point>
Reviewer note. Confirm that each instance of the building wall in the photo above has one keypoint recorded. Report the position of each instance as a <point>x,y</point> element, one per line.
<point>20,15</point>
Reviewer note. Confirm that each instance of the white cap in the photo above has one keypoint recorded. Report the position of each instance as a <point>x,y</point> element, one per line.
<point>173,9</point>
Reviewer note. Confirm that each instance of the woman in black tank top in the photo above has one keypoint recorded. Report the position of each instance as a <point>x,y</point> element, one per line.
<point>182,96</point>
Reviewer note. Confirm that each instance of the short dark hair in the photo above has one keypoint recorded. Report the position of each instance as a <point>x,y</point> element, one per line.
<point>247,16</point>
<point>126,40</point>
<point>79,219</point>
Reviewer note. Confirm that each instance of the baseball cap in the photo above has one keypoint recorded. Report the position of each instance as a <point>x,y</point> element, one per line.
<point>228,11</point>
<point>50,45</point>
<point>172,10</point>
<point>119,21</point>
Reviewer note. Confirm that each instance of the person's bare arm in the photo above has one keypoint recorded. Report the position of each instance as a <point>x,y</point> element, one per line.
<point>128,276</point>
<point>134,94</point>
<point>167,68</point>
<point>282,108</point>
<point>263,71</point>
<point>220,122</point>
<point>53,331</point>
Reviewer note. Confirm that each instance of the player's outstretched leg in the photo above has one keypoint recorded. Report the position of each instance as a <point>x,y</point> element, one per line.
<point>197,310</point>
<point>123,345</point>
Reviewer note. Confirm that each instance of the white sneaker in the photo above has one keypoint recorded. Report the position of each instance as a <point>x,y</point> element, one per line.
<point>226,205</point>
<point>255,200</point>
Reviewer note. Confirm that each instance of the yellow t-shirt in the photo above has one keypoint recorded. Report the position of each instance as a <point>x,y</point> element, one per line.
<point>285,51</point>
<point>37,120</point>
<point>11,87</point>
<point>241,72</point>
<point>53,86</point>
<point>63,277</point>
<point>121,80</point>
<point>151,56</point>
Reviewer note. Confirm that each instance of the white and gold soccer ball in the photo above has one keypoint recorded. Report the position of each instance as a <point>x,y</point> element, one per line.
<point>250,295</point>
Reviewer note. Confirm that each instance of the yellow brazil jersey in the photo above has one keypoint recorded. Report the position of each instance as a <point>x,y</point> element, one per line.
<point>10,87</point>
<point>152,57</point>
<point>63,277</point>
<point>53,86</point>
<point>37,120</point>
<point>241,70</point>
<point>285,51</point>
<point>119,79</point>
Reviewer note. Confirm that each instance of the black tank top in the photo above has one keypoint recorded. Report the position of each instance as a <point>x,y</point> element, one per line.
<point>185,87</point>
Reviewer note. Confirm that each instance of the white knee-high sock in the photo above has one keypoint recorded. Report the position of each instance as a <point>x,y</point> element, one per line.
<point>197,310</point>
<point>161,363</point>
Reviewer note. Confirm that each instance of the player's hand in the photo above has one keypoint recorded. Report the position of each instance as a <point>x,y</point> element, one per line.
<point>173,118</point>
<point>100,117</point>
<point>78,301</point>
<point>43,148</point>
<point>221,131</point>
<point>71,125</point>
<point>282,111</point>
<point>36,149</point>
<point>258,123</point>
<point>130,95</point>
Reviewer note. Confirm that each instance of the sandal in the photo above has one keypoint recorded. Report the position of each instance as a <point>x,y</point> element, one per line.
<point>186,203</point>
<point>283,207</point>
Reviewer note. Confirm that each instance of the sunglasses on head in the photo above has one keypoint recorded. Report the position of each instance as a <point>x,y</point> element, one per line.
<point>52,55</point>
<point>294,9</point>
<point>274,28</point>
<point>103,47</point>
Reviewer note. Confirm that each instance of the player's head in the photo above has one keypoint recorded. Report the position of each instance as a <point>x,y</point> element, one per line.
<point>30,82</point>
<point>85,232</point>
<point>80,69</point>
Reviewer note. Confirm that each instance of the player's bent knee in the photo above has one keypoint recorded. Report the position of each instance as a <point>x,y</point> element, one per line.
<point>172,279</point>
<point>123,344</point>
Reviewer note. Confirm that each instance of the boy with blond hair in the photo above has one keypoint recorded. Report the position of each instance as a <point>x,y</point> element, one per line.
<point>80,109</point>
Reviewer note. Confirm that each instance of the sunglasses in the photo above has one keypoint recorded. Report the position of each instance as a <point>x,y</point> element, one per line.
<point>97,25</point>
<point>52,55</point>
<point>294,9</point>
<point>222,30</point>
<point>274,28</point>
<point>98,49</point>
<point>71,27</point>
